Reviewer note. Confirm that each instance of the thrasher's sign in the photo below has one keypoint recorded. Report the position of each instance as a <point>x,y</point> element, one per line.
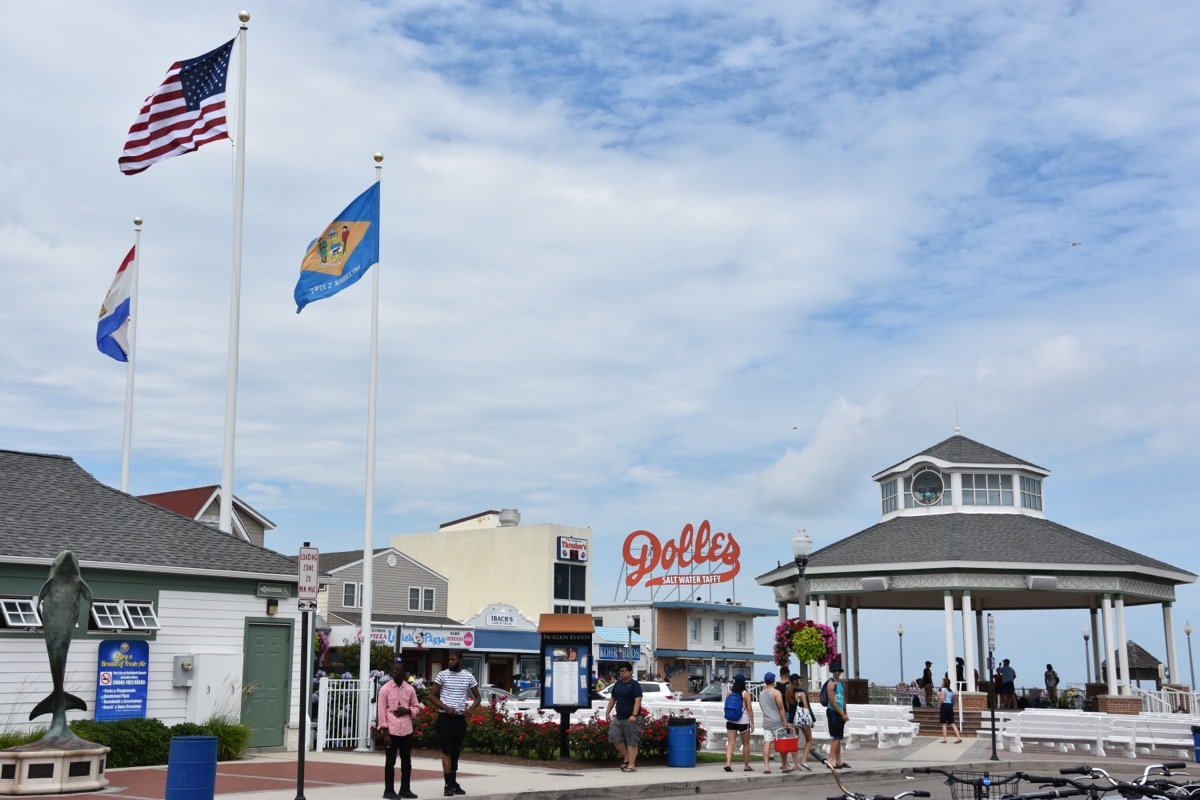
<point>645,554</point>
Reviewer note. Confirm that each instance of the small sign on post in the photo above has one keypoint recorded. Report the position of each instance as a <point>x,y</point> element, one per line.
<point>309,579</point>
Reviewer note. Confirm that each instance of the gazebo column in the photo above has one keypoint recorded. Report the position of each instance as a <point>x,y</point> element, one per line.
<point>1169,634</point>
<point>968,643</point>
<point>822,617</point>
<point>1125,687</point>
<point>1107,621</point>
<point>854,635</point>
<point>1094,622</point>
<point>948,605</point>
<point>980,643</point>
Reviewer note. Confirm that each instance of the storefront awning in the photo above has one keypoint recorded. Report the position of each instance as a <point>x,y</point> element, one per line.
<point>508,641</point>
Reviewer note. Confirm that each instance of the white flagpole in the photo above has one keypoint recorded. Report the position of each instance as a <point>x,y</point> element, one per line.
<point>127,439</point>
<point>235,292</point>
<point>364,653</point>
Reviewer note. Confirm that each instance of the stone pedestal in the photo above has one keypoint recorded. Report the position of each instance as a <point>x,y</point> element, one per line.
<point>28,770</point>
<point>1119,704</point>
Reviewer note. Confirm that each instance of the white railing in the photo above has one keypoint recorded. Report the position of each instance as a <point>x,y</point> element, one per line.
<point>338,702</point>
<point>1166,701</point>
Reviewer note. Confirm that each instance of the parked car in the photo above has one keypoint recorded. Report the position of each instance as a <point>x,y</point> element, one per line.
<point>529,694</point>
<point>651,690</point>
<point>709,694</point>
<point>491,694</point>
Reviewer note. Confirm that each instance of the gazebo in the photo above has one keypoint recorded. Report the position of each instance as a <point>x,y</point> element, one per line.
<point>962,529</point>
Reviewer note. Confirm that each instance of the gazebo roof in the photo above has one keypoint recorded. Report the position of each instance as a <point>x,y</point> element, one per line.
<point>1006,556</point>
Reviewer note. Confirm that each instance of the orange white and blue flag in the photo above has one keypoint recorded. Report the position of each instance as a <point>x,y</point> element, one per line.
<point>112,332</point>
<point>343,252</point>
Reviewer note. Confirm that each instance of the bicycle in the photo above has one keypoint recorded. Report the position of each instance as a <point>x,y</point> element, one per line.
<point>974,785</point>
<point>847,794</point>
<point>1153,783</point>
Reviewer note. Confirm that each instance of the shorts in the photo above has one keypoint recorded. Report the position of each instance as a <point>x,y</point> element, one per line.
<point>769,734</point>
<point>622,731</point>
<point>451,732</point>
<point>737,727</point>
<point>837,725</point>
<point>1009,688</point>
<point>946,713</point>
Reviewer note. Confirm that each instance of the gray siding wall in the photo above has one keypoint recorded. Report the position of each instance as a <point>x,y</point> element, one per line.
<point>390,587</point>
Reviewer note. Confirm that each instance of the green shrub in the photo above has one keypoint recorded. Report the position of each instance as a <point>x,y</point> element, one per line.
<point>134,742</point>
<point>17,738</point>
<point>189,729</point>
<point>232,737</point>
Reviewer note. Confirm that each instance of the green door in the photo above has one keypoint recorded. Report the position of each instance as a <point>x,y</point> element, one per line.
<point>266,681</point>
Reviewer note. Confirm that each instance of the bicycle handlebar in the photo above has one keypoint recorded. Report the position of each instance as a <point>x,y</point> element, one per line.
<point>1070,791</point>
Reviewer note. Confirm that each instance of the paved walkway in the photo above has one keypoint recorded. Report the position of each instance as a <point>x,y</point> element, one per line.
<point>358,776</point>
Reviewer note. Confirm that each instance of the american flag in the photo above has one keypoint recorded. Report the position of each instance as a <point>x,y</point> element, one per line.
<point>186,111</point>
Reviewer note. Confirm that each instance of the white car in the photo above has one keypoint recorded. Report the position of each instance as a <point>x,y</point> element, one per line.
<point>651,691</point>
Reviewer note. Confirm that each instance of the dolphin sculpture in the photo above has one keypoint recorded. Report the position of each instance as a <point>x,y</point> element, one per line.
<point>58,602</point>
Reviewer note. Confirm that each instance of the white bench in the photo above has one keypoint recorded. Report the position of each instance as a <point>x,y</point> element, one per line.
<point>1061,730</point>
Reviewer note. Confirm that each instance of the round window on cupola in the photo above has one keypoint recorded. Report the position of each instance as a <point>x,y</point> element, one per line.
<point>927,486</point>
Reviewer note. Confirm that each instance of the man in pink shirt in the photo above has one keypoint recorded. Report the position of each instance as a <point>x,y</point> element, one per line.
<point>397,705</point>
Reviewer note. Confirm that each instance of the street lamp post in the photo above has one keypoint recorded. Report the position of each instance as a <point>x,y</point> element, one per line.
<point>629,642</point>
<point>1087,655</point>
<point>801,548</point>
<point>1187,629</point>
<point>900,633</point>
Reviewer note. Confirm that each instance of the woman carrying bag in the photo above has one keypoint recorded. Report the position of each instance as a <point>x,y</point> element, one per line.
<point>802,716</point>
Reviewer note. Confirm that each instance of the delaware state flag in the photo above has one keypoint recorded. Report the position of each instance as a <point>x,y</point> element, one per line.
<point>112,332</point>
<point>343,252</point>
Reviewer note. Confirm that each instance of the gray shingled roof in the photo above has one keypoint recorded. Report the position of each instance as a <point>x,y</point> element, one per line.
<point>332,561</point>
<point>978,538</point>
<point>49,503</point>
<point>958,449</point>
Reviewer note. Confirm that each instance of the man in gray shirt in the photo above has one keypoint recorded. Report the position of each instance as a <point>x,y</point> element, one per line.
<point>774,719</point>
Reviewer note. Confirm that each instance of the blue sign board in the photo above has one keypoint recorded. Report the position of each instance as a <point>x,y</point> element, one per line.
<point>122,677</point>
<point>565,679</point>
<point>620,652</point>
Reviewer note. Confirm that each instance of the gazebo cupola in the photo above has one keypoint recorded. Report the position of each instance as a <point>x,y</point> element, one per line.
<point>959,475</point>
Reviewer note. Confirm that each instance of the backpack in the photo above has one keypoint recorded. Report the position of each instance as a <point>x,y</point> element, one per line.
<point>823,697</point>
<point>734,706</point>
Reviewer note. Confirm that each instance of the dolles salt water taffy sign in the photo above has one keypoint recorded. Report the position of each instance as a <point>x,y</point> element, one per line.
<point>645,554</point>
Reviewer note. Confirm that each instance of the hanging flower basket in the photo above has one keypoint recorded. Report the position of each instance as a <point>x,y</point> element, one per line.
<point>811,642</point>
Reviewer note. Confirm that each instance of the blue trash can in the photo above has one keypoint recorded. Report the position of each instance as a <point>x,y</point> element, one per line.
<point>681,742</point>
<point>192,768</point>
<point>1196,743</point>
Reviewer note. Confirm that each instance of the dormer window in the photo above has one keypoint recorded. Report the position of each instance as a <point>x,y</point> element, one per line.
<point>888,490</point>
<point>987,489</point>
<point>1031,493</point>
<point>926,487</point>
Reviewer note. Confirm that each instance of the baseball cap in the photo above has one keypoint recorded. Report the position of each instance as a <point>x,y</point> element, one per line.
<point>769,677</point>
<point>836,667</point>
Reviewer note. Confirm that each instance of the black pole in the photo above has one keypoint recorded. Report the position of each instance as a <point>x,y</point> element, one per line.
<point>305,694</point>
<point>564,734</point>
<point>995,701</point>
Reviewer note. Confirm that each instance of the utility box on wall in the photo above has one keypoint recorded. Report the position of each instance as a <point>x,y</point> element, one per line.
<point>181,672</point>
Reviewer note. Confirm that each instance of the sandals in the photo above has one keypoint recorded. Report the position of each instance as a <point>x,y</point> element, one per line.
<point>747,768</point>
<point>787,769</point>
<point>728,768</point>
<point>627,768</point>
<point>806,766</point>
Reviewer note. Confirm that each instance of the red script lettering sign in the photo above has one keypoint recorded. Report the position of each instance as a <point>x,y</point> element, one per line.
<point>645,554</point>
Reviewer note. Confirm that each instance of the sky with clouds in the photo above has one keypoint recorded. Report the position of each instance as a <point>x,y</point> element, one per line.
<point>643,264</point>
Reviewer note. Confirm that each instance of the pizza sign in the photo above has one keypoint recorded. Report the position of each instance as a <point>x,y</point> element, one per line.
<point>645,554</point>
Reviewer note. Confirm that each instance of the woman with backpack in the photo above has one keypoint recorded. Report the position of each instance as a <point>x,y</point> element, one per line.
<point>738,725</point>
<point>801,717</point>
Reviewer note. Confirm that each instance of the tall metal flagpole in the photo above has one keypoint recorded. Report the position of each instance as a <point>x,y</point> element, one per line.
<point>235,291</point>
<point>127,439</point>
<point>364,653</point>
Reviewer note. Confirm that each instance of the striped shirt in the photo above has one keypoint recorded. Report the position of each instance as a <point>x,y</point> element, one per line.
<point>456,688</point>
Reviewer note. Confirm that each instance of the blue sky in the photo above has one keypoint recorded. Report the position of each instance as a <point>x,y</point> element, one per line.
<point>644,264</point>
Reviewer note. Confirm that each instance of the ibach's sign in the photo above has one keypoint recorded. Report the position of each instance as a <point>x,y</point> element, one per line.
<point>646,555</point>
